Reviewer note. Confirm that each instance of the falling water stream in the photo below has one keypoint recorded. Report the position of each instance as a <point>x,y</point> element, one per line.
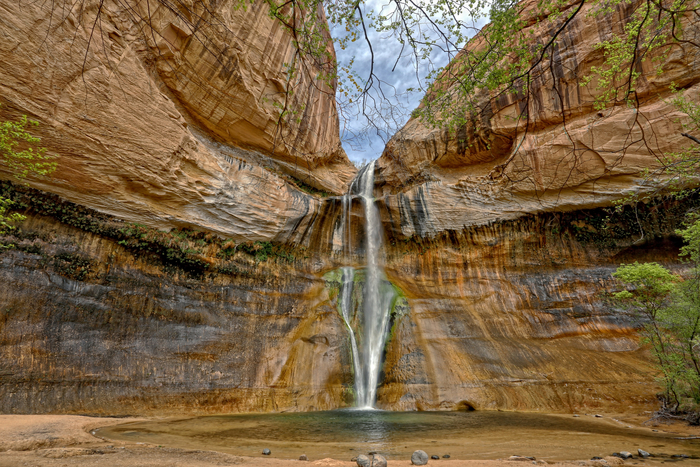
<point>370,333</point>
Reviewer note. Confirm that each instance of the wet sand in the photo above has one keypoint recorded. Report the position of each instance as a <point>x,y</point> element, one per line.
<point>66,440</point>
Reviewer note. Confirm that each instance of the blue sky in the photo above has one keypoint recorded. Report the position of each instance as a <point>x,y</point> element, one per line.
<point>399,73</point>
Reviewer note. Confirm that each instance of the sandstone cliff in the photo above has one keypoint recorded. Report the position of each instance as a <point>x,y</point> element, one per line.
<point>168,116</point>
<point>546,149</point>
<point>503,309</point>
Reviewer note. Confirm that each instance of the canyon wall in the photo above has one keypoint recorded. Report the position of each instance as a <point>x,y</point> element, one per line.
<point>167,114</point>
<point>91,324</point>
<point>181,269</point>
<point>104,316</point>
<point>514,314</point>
<point>506,301</point>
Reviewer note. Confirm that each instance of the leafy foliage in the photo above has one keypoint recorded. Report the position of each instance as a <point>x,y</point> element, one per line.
<point>20,153</point>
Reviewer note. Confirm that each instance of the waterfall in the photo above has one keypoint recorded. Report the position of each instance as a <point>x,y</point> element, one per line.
<point>368,341</point>
<point>347,287</point>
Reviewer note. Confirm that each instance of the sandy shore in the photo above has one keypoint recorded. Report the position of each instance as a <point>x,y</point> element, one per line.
<point>65,440</point>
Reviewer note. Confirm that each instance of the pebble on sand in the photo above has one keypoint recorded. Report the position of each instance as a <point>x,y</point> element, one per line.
<point>363,461</point>
<point>266,452</point>
<point>434,456</point>
<point>303,457</point>
<point>522,458</point>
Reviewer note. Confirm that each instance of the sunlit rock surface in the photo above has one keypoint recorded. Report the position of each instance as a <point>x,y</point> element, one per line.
<point>166,126</point>
<point>572,156</point>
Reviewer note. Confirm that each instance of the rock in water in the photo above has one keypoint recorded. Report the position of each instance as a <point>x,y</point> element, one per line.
<point>363,461</point>
<point>419,458</point>
<point>643,453</point>
<point>378,460</point>
<point>266,452</point>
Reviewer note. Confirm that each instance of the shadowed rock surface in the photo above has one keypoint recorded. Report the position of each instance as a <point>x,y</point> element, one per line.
<point>87,326</point>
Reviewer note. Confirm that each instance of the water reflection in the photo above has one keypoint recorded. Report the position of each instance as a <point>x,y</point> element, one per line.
<point>368,426</point>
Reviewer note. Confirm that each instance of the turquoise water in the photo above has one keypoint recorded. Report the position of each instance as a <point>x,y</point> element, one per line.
<point>343,434</point>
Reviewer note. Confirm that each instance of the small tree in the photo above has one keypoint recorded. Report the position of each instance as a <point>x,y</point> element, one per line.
<point>668,308</point>
<point>20,153</point>
<point>684,316</point>
<point>650,287</point>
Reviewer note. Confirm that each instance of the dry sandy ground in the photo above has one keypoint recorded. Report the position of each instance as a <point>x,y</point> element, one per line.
<point>65,440</point>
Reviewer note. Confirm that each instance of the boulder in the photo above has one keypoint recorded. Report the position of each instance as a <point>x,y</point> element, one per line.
<point>419,457</point>
<point>378,460</point>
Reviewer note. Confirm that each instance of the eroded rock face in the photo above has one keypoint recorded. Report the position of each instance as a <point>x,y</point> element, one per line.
<point>572,156</point>
<point>506,309</point>
<point>87,326</point>
<point>506,316</point>
<point>513,315</point>
<point>169,126</point>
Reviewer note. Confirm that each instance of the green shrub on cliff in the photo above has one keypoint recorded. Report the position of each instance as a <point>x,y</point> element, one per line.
<point>21,155</point>
<point>668,309</point>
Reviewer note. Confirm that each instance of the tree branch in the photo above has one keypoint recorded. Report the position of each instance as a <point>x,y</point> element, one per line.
<point>691,137</point>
